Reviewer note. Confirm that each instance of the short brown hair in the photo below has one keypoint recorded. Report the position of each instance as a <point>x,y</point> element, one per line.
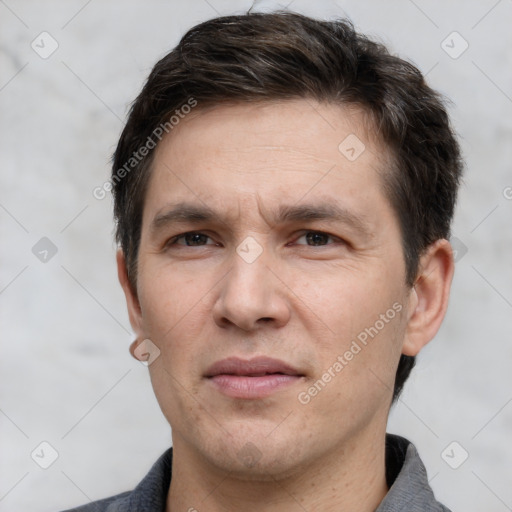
<point>284,55</point>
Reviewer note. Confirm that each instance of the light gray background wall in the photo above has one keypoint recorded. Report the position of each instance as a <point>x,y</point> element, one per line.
<point>66,375</point>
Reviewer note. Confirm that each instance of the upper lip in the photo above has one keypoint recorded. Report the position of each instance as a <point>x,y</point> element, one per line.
<point>253,367</point>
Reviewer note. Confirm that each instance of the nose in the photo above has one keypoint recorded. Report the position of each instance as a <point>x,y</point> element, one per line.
<point>252,295</point>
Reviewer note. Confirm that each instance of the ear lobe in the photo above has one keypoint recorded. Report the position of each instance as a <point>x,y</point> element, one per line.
<point>133,348</point>
<point>429,296</point>
<point>132,301</point>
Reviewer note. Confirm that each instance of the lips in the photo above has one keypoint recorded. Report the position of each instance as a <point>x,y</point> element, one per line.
<point>251,379</point>
<point>255,367</point>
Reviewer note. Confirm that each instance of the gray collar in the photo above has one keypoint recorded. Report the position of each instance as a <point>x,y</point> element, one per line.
<point>409,490</point>
<point>406,475</point>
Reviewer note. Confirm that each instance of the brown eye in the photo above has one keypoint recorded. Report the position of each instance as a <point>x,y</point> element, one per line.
<point>315,238</point>
<point>191,239</point>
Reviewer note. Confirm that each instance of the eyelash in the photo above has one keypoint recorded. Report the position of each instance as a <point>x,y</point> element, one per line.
<point>173,241</point>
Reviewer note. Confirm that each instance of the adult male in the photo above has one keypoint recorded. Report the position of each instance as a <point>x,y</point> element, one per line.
<point>283,194</point>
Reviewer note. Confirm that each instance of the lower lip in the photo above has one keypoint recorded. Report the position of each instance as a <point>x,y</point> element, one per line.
<point>240,386</point>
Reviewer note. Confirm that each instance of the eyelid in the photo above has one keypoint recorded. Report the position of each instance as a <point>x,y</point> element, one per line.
<point>172,241</point>
<point>306,231</point>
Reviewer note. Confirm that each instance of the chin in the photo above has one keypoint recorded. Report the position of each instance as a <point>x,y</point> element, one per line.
<point>260,459</point>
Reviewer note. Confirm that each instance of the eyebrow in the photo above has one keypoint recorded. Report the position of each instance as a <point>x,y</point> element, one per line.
<point>182,213</point>
<point>190,213</point>
<point>325,211</point>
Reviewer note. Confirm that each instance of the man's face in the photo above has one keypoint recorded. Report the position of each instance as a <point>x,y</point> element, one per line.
<point>299,266</point>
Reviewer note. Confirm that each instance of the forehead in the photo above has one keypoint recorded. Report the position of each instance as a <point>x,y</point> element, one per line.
<point>295,124</point>
<point>232,156</point>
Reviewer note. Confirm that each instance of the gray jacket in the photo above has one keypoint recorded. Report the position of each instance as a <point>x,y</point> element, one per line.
<point>409,490</point>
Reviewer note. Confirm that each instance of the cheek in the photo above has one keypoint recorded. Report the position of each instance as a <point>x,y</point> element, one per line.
<point>356,321</point>
<point>345,300</point>
<point>168,298</point>
<point>176,310</point>
<point>355,379</point>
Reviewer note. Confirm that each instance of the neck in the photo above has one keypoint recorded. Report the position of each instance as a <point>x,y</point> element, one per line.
<point>351,477</point>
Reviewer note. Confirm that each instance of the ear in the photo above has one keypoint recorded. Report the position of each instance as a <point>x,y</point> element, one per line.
<point>429,296</point>
<point>132,301</point>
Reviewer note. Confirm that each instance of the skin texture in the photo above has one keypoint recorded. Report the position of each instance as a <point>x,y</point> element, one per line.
<point>299,301</point>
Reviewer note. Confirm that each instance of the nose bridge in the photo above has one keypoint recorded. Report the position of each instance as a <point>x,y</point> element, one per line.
<point>250,268</point>
<point>250,292</point>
